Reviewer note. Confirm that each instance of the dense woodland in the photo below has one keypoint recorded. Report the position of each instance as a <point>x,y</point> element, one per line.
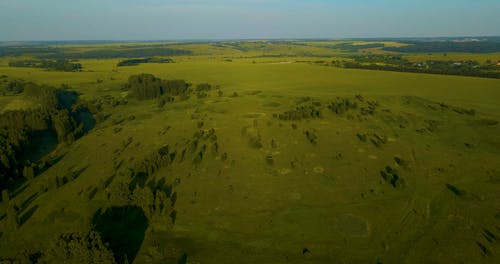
<point>55,65</point>
<point>59,115</point>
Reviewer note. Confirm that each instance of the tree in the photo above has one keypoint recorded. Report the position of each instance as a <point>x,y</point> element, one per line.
<point>78,248</point>
<point>29,172</point>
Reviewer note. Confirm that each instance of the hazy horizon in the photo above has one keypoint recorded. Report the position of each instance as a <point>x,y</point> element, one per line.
<point>56,20</point>
<point>97,41</point>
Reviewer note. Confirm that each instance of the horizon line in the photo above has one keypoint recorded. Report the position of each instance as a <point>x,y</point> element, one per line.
<point>244,39</point>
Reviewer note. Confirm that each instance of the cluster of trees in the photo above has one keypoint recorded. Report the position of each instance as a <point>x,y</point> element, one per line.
<point>342,105</point>
<point>19,129</point>
<point>447,46</point>
<point>203,87</point>
<point>74,247</point>
<point>399,64</point>
<point>147,86</point>
<point>301,112</point>
<point>55,65</point>
<point>11,87</point>
<point>134,62</point>
<point>81,247</point>
<point>155,197</point>
<point>385,59</point>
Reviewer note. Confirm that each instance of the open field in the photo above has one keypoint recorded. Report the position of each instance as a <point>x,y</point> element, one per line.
<point>280,160</point>
<point>275,77</point>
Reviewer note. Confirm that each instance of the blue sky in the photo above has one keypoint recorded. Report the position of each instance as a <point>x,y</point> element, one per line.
<point>234,19</point>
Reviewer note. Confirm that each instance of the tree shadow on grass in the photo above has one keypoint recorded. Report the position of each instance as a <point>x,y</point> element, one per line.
<point>27,215</point>
<point>139,179</point>
<point>123,228</point>
<point>17,187</point>
<point>28,201</point>
<point>47,162</point>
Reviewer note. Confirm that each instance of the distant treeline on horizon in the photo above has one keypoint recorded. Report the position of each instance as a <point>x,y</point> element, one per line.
<point>104,41</point>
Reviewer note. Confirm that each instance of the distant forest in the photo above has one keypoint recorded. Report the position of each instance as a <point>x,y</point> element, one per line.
<point>447,46</point>
<point>55,65</point>
<point>119,53</point>
<point>134,62</point>
<point>58,53</point>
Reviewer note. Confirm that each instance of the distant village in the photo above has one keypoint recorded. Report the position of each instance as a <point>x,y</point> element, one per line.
<point>489,69</point>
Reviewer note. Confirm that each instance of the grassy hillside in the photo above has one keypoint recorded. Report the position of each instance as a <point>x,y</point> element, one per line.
<point>278,160</point>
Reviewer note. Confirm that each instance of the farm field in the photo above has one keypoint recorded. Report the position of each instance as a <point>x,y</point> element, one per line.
<point>249,152</point>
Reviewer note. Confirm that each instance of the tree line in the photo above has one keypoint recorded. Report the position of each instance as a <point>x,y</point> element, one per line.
<point>400,64</point>
<point>55,65</point>
<point>18,51</point>
<point>57,53</point>
<point>134,62</point>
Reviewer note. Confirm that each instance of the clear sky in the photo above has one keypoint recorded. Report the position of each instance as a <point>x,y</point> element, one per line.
<point>247,19</point>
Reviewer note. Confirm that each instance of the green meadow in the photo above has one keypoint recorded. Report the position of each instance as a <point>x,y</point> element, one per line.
<point>279,159</point>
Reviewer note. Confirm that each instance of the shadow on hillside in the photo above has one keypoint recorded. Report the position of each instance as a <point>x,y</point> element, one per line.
<point>67,100</point>
<point>42,143</point>
<point>123,228</point>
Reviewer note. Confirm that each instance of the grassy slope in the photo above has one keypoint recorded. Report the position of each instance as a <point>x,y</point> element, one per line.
<point>295,79</point>
<point>245,210</point>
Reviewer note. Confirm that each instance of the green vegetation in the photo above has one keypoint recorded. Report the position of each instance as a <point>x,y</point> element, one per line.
<point>135,62</point>
<point>400,64</point>
<point>448,46</point>
<point>350,47</point>
<point>23,51</point>
<point>249,152</point>
<point>58,116</point>
<point>76,248</point>
<point>56,65</point>
<point>116,53</point>
<point>147,86</point>
<point>61,53</point>
<point>11,87</point>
